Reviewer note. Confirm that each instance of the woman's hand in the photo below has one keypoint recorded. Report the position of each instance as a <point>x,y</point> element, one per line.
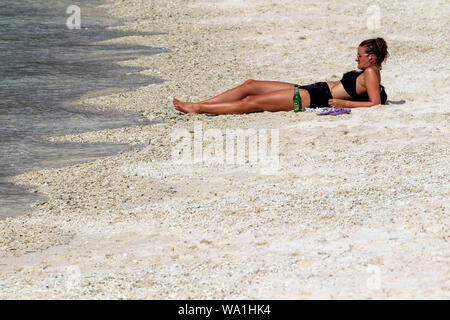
<point>337,103</point>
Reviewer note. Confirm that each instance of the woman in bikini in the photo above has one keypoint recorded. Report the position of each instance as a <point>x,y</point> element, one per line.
<point>354,90</point>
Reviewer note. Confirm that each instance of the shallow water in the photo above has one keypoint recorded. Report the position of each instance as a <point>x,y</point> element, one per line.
<point>44,66</point>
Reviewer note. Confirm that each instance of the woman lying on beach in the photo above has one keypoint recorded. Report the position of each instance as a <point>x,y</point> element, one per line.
<point>354,90</point>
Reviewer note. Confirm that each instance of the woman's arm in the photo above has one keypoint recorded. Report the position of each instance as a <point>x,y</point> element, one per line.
<point>351,104</point>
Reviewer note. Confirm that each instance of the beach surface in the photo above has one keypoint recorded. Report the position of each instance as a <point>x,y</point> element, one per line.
<point>347,207</point>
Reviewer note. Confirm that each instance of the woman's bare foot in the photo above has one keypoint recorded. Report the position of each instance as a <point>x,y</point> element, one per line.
<point>186,107</point>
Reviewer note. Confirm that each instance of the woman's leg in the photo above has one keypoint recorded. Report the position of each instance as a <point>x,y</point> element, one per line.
<point>281,100</point>
<point>249,88</point>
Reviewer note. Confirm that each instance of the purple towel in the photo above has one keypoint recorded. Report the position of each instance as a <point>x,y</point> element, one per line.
<point>334,111</point>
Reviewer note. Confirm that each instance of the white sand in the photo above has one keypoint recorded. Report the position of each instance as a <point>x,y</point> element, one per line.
<point>357,209</point>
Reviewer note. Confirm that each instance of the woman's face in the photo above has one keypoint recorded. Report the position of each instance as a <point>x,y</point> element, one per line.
<point>362,58</point>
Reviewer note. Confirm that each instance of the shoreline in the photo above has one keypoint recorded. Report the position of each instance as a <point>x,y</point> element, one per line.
<point>60,58</point>
<point>356,209</point>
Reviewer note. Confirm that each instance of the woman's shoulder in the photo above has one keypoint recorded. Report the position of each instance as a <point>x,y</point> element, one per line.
<point>371,70</point>
<point>371,73</point>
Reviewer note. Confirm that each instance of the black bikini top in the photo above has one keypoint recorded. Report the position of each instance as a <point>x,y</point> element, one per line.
<point>349,83</point>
